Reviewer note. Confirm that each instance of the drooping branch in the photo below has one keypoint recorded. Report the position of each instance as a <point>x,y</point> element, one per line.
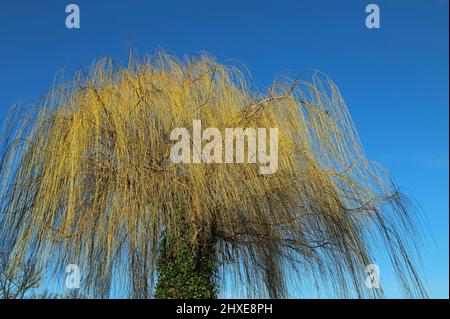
<point>86,177</point>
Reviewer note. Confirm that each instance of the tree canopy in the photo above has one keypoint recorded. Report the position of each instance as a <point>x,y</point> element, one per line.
<point>86,178</point>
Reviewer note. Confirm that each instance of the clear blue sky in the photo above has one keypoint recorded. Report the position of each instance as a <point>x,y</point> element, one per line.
<point>394,79</point>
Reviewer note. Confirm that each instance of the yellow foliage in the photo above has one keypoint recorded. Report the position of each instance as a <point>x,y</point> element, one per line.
<point>86,178</point>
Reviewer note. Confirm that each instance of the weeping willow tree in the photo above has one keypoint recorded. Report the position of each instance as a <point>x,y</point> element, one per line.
<point>86,178</point>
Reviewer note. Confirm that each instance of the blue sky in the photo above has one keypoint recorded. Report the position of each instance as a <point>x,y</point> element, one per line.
<point>394,79</point>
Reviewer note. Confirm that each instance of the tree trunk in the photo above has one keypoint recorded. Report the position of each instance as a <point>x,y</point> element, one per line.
<point>186,271</point>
